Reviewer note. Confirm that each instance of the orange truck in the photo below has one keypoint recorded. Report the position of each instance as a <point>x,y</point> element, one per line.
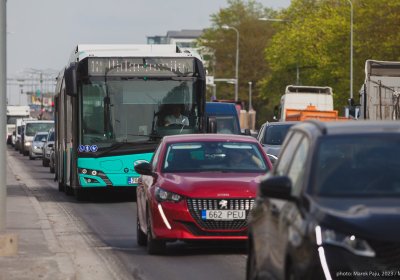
<point>301,103</point>
<point>311,112</point>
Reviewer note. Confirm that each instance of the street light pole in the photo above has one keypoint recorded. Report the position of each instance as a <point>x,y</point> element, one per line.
<point>41,96</point>
<point>237,61</point>
<point>3,108</point>
<point>351,48</point>
<point>250,97</point>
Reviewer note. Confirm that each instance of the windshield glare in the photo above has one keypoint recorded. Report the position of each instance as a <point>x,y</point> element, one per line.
<point>135,109</point>
<point>214,157</point>
<point>362,165</point>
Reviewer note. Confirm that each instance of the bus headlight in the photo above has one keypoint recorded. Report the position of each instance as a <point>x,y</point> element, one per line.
<point>88,171</point>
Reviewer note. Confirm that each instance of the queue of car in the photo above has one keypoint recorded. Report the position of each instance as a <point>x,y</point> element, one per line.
<point>35,138</point>
<point>326,203</point>
<point>328,207</point>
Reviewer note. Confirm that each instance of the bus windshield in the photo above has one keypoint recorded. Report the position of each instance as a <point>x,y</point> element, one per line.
<point>133,110</point>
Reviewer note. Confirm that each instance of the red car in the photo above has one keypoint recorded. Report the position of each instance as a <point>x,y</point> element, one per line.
<point>198,187</point>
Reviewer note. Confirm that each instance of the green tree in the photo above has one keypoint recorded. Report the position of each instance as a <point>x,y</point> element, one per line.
<point>316,40</point>
<point>377,33</point>
<point>313,41</point>
<point>253,37</point>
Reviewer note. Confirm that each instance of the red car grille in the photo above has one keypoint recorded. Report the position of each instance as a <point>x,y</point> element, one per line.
<point>195,207</point>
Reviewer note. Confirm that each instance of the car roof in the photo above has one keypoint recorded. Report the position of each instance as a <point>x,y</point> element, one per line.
<point>281,123</point>
<point>350,127</point>
<point>41,132</point>
<point>209,137</point>
<point>38,121</point>
<point>220,108</point>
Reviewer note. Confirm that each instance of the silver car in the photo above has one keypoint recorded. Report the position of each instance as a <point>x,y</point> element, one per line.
<point>36,149</point>
<point>271,136</point>
<point>48,147</point>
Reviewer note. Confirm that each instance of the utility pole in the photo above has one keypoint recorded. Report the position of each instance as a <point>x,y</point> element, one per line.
<point>250,97</point>
<point>252,113</point>
<point>3,110</point>
<point>21,91</point>
<point>8,242</point>
<point>41,96</point>
<point>351,47</point>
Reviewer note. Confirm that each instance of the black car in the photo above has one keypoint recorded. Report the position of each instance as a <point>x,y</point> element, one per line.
<point>330,209</point>
<point>271,136</point>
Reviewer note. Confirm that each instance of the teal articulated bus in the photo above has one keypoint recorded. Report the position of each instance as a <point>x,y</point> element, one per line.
<point>110,109</point>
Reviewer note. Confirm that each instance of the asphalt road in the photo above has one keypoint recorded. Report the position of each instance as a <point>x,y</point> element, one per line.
<point>108,224</point>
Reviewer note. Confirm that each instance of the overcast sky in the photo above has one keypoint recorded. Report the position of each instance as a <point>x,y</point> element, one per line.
<point>43,33</point>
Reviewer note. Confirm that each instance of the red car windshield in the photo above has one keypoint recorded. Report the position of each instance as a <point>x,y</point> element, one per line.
<point>215,157</point>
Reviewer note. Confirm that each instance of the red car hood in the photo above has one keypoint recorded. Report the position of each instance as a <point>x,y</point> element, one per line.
<point>212,185</point>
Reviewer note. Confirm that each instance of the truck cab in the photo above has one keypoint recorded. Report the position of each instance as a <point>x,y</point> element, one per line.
<point>298,98</point>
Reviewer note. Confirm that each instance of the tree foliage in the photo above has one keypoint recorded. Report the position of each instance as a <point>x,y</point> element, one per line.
<point>253,37</point>
<point>311,47</point>
<point>317,39</point>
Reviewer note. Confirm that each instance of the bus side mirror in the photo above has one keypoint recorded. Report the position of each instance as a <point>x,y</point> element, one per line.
<point>70,80</point>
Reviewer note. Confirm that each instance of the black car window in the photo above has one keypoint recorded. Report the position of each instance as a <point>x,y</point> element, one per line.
<point>286,155</point>
<point>275,134</point>
<point>357,165</point>
<point>297,167</point>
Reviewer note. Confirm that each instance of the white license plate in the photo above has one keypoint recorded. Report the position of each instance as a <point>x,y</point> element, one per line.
<point>223,215</point>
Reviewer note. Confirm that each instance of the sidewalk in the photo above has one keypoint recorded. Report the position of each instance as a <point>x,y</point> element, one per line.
<point>53,243</point>
<point>38,256</point>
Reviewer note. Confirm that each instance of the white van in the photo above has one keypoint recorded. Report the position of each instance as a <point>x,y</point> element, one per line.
<point>30,128</point>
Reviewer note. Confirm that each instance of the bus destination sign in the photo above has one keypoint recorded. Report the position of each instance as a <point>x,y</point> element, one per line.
<point>145,66</point>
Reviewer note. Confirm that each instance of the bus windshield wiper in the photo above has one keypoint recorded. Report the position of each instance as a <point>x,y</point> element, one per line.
<point>139,144</point>
<point>151,136</point>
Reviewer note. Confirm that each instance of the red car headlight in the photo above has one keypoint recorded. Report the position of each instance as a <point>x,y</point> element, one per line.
<point>163,195</point>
